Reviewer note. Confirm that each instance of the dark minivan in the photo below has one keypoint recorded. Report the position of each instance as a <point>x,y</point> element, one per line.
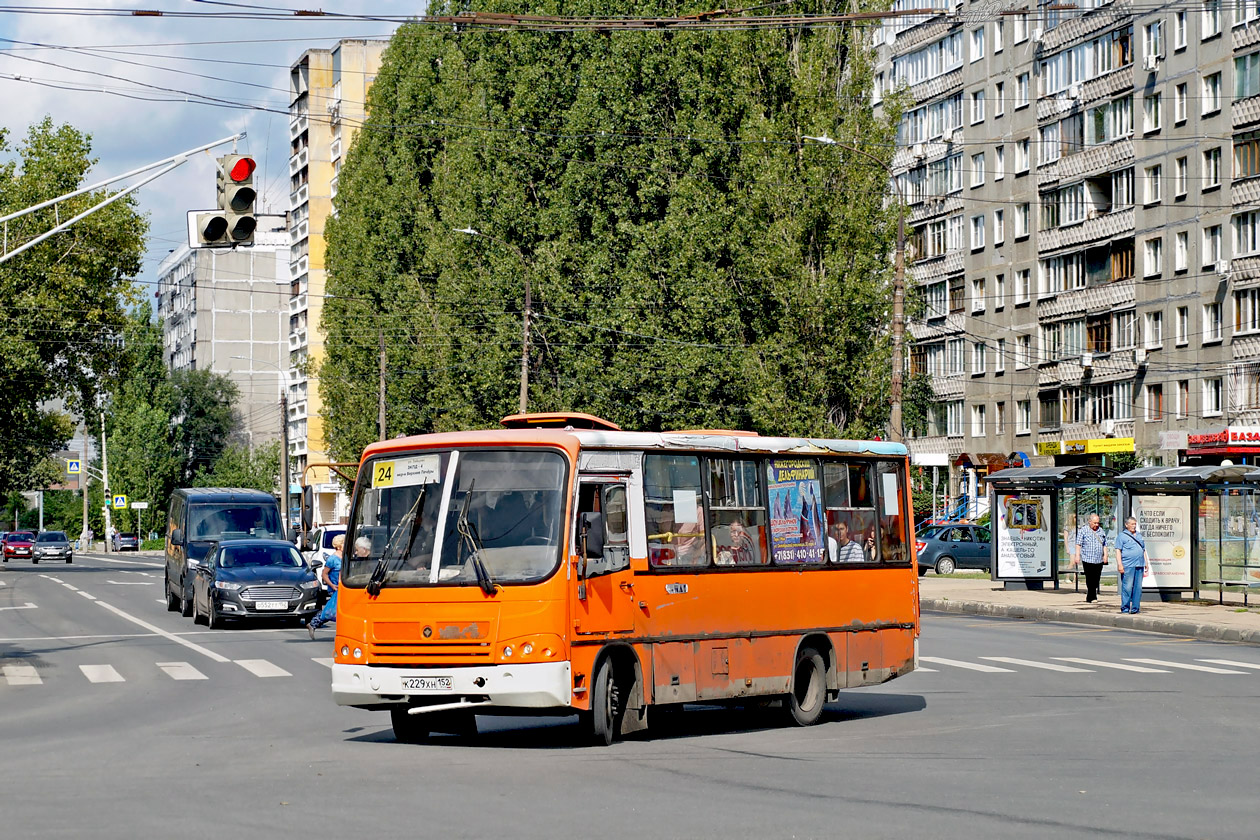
<point>201,516</point>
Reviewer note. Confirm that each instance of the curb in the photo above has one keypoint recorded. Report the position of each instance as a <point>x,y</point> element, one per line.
<point>1174,627</point>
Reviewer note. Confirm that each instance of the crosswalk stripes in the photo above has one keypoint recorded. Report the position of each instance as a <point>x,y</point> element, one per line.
<point>262,668</point>
<point>970,666</point>
<point>22,675</point>
<point>327,661</point>
<point>1207,669</point>
<point>1119,666</point>
<point>181,671</point>
<point>1046,666</point>
<point>101,673</point>
<point>1230,663</point>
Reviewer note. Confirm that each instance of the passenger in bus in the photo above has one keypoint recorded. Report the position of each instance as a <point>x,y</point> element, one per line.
<point>739,548</point>
<point>846,550</point>
<point>689,540</point>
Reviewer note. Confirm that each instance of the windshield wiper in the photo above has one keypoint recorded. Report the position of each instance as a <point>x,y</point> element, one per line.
<point>387,565</point>
<point>472,543</point>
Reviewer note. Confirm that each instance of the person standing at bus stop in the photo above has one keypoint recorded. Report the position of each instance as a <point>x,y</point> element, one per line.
<point>330,574</point>
<point>1091,548</point>
<point>1133,560</point>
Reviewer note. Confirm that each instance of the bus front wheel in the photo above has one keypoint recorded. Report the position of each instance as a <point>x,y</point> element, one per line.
<point>809,688</point>
<point>605,704</point>
<point>408,729</point>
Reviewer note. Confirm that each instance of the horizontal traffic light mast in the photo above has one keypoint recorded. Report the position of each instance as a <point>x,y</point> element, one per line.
<point>167,164</point>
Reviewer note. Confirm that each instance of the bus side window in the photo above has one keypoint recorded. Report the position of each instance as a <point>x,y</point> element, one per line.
<point>674,501</point>
<point>892,514</point>
<point>737,514</point>
<point>850,503</point>
<point>602,530</point>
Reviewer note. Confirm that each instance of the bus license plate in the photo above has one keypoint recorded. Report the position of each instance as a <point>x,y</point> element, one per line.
<point>272,605</point>
<point>427,683</point>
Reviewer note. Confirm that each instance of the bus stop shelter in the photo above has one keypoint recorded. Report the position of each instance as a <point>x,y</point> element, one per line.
<point>1201,526</point>
<point>1035,512</point>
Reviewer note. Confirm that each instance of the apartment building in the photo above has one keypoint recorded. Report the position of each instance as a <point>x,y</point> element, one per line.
<point>224,311</point>
<point>327,105</point>
<point>1083,192</point>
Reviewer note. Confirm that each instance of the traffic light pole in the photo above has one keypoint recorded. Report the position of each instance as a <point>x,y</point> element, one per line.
<point>105,480</point>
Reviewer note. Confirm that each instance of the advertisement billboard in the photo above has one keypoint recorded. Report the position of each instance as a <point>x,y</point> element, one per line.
<point>1164,522</point>
<point>1024,538</point>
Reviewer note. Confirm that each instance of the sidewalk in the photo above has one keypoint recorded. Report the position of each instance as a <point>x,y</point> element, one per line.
<point>1202,619</point>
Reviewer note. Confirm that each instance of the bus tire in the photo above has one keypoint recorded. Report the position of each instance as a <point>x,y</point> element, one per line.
<point>808,696</point>
<point>604,704</point>
<point>408,729</point>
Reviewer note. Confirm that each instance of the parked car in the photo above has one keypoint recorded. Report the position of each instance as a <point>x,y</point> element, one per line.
<point>126,542</point>
<point>945,548</point>
<point>253,579</point>
<point>19,545</point>
<point>53,545</point>
<point>198,518</point>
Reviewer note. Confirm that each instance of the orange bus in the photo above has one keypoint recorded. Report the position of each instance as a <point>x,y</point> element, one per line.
<point>562,565</point>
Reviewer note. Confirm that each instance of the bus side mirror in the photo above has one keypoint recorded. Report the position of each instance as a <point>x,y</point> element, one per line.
<point>177,536</point>
<point>593,535</point>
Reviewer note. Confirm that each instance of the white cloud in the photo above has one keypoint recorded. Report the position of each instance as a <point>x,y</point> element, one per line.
<point>129,132</point>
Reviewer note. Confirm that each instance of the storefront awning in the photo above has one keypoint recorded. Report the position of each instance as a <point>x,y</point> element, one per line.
<point>1209,474</point>
<point>1052,476</point>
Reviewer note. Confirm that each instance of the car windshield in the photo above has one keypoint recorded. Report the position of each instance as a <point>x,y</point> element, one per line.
<point>52,537</point>
<point>433,518</point>
<point>233,522</point>
<point>20,536</point>
<point>126,536</point>
<point>243,556</point>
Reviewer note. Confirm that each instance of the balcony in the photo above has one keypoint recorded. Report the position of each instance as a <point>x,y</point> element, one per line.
<point>933,88</point>
<point>936,267</point>
<point>334,150</point>
<point>299,268</point>
<point>1095,160</point>
<point>300,196</point>
<point>298,125</point>
<point>297,304</point>
<point>1119,294</point>
<point>299,231</point>
<point>1099,227</point>
<point>300,160</point>
<point>297,340</point>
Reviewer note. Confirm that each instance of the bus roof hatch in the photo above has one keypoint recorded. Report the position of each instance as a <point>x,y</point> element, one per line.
<point>558,420</point>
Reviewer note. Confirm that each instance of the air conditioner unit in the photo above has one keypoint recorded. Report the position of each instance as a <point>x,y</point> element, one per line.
<point>1150,62</point>
<point>1074,91</point>
<point>1038,34</point>
<point>1087,360</point>
<point>918,151</point>
<point>952,136</point>
<point>1108,427</point>
<point>1139,356</point>
<point>1222,267</point>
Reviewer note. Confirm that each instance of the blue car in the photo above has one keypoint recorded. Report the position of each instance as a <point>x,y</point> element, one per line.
<point>959,545</point>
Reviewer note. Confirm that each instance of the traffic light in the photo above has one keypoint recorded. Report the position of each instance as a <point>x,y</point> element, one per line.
<point>234,222</point>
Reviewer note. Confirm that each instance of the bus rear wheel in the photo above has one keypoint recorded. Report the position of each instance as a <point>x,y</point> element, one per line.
<point>809,688</point>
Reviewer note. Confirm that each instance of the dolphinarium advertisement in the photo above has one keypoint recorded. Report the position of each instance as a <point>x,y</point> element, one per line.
<point>797,532</point>
<point>1024,543</point>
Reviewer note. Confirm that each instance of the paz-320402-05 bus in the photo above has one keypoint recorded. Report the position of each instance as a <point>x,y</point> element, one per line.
<point>561,565</point>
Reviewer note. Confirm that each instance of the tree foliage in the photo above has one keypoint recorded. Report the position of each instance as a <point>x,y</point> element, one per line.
<point>239,466</point>
<point>64,299</point>
<point>694,259</point>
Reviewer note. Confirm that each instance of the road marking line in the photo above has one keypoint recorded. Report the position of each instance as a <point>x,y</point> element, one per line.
<point>1117,665</point>
<point>101,673</point>
<point>86,595</point>
<point>27,606</point>
<point>1160,642</point>
<point>1078,632</point>
<point>327,661</point>
<point>2,583</point>
<point>1049,666</point>
<point>1231,662</point>
<point>262,668</point>
<point>166,634</point>
<point>1186,666</point>
<point>916,670</point>
<point>132,582</point>
<point>181,671</point>
<point>71,588</point>
<point>129,562</point>
<point>53,579</point>
<point>22,675</point>
<point>971,666</point>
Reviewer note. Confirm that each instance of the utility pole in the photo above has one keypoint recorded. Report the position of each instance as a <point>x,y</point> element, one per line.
<point>524,401</point>
<point>106,497</point>
<point>284,454</point>
<point>380,386</point>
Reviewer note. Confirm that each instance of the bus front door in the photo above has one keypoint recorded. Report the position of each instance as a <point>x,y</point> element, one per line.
<point>602,576</point>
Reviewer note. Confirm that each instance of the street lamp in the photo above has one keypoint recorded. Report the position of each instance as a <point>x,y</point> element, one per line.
<point>524,399</point>
<point>899,287</point>
<point>284,434</point>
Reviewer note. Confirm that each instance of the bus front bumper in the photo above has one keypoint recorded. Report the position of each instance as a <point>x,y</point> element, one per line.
<point>533,686</point>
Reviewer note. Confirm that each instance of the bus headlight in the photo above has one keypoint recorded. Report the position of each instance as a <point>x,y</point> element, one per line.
<point>527,649</point>
<point>507,652</point>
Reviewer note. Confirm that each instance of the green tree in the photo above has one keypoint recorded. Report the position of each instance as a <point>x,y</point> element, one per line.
<point>694,260</point>
<point>203,419</point>
<point>68,294</point>
<point>239,466</point>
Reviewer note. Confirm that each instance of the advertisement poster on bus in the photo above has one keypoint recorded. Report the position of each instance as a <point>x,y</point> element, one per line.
<point>797,533</point>
<point>1164,522</point>
<point>1024,542</point>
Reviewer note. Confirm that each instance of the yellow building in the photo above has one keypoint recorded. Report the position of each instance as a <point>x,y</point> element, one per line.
<point>327,97</point>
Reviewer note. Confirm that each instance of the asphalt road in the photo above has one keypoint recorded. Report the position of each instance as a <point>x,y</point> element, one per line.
<point>119,719</point>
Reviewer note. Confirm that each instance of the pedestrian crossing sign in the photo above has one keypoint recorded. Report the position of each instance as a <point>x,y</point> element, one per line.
<point>72,467</point>
<point>120,501</point>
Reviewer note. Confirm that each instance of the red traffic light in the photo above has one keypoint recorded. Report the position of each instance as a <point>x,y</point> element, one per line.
<point>242,169</point>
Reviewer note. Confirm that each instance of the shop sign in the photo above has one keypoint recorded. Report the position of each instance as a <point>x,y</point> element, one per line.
<point>1164,523</point>
<point>1024,542</point>
<point>1075,447</point>
<point>1173,441</point>
<point>1102,445</point>
<point>1052,447</point>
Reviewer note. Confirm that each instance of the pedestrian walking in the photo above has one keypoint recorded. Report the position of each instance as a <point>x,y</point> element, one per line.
<point>1091,548</point>
<point>1133,563</point>
<point>329,574</point>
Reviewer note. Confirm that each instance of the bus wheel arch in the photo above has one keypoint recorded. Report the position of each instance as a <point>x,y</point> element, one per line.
<point>618,705</point>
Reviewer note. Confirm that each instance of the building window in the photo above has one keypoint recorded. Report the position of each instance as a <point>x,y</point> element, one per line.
<point>1181,249</point>
<point>1211,397</point>
<point>999,419</point>
<point>1179,103</point>
<point>999,99</point>
<point>957,299</point>
<point>1021,28</point>
<point>1021,90</point>
<point>977,106</point>
<point>1246,311</point>
<point>936,297</point>
<point>1211,93</point>
<point>1021,156</point>
<point>1246,233</point>
<point>1211,322</point>
<point>999,227</point>
<point>977,421</point>
<point>1154,330</point>
<point>977,358</point>
<point>1021,220</point>
<point>1181,168</point>
<point>1183,326</point>
<point>1246,75</point>
<point>954,421</point>
<point>1051,410</point>
<point>977,232</point>
<point>977,294</point>
<point>977,170</point>
<point>1023,352</point>
<point>1211,19</point>
<point>1023,285</point>
<point>1153,39</point>
<point>929,62</point>
<point>1109,121</point>
<point>1048,149</point>
<point>1183,398</point>
<point>999,360</point>
<point>955,350</point>
<point>1212,168</point>
<point>1154,188</point>
<point>999,35</point>
<point>999,292</point>
<point>1153,107</point>
<point>1154,403</point>
<point>999,162</point>
<point>1098,333</point>
<point>1247,155</point>
<point>1213,242</point>
<point>1122,192</point>
<point>977,44</point>
<point>1153,257</point>
<point>1179,31</point>
<point>1023,417</point>
<point>1125,329</point>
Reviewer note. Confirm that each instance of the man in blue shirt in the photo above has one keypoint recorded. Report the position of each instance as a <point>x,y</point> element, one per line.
<point>330,573</point>
<point>1091,547</point>
<point>1131,549</point>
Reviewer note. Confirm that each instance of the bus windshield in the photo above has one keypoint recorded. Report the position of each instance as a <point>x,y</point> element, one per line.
<point>433,518</point>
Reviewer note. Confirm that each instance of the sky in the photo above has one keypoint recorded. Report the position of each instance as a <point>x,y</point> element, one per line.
<point>174,53</point>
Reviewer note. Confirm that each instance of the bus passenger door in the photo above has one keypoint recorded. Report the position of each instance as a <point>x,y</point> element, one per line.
<point>604,594</point>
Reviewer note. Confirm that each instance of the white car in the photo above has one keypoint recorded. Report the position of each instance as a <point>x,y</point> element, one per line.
<point>319,542</point>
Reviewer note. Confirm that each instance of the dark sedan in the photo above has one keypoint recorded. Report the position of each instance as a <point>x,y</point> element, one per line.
<point>20,545</point>
<point>53,545</point>
<point>253,579</point>
<point>945,548</point>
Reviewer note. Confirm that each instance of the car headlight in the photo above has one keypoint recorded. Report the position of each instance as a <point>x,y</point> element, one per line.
<point>310,584</point>
<point>226,584</point>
